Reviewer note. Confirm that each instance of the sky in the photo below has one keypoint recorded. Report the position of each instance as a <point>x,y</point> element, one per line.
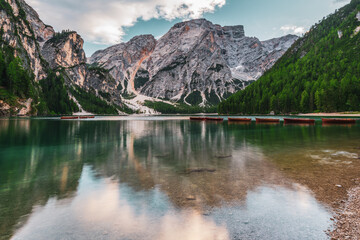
<point>103,23</point>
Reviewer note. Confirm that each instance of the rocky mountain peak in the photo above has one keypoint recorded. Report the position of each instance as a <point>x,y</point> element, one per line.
<point>42,31</point>
<point>64,49</point>
<point>195,62</point>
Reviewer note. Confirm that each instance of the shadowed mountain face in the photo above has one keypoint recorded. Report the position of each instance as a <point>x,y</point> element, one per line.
<point>195,59</point>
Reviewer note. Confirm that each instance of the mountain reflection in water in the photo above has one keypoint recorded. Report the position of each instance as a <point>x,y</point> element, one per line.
<point>168,179</point>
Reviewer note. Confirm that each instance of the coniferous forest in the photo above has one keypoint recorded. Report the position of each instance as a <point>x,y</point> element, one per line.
<point>319,73</point>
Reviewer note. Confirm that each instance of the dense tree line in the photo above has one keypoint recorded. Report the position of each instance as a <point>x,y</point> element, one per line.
<point>320,72</point>
<point>91,103</point>
<point>60,36</point>
<point>56,97</point>
<point>13,76</point>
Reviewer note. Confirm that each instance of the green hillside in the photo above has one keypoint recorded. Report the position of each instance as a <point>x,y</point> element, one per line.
<point>320,72</point>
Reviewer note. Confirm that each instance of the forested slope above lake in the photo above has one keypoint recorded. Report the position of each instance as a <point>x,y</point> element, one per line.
<point>320,72</point>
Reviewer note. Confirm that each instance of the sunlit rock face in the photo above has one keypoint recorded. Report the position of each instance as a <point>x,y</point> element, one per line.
<point>194,60</point>
<point>25,32</point>
<point>66,51</point>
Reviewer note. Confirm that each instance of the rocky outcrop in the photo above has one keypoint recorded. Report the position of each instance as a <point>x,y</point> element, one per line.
<point>65,52</point>
<point>25,32</point>
<point>41,31</point>
<point>196,62</point>
<point>42,50</point>
<point>125,60</point>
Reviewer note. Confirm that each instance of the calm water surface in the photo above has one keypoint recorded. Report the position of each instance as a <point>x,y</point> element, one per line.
<point>169,178</point>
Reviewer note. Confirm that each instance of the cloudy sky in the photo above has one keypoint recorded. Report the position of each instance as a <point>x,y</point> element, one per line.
<point>105,22</point>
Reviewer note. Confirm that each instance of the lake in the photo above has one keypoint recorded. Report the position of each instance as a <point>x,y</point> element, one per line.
<point>170,178</point>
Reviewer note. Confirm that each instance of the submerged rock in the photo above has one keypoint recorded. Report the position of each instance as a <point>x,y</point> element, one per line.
<point>226,156</point>
<point>191,198</point>
<point>199,170</point>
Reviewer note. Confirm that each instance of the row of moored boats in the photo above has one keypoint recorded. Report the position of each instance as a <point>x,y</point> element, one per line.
<point>277,120</point>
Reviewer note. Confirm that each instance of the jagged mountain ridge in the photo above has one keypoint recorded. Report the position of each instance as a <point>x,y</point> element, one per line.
<point>196,62</point>
<point>190,64</point>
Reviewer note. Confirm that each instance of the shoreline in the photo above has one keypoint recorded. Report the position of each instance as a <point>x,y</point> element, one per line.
<point>347,217</point>
<point>340,114</point>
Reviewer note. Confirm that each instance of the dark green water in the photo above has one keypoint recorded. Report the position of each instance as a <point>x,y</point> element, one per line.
<point>169,178</point>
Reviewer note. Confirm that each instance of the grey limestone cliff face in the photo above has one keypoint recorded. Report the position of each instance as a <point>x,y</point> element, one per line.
<point>65,50</point>
<point>25,32</point>
<point>194,60</point>
<point>125,61</point>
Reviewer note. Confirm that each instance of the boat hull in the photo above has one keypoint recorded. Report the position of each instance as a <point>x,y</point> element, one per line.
<point>214,119</point>
<point>299,121</point>
<point>86,117</point>
<point>69,118</point>
<point>197,119</point>
<point>338,121</point>
<point>267,120</point>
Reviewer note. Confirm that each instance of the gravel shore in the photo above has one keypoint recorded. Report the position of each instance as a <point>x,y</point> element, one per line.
<point>347,220</point>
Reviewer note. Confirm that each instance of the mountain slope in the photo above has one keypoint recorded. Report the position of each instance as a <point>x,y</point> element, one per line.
<point>196,62</point>
<point>320,72</point>
<point>40,69</point>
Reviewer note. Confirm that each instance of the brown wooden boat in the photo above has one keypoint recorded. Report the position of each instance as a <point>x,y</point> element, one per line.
<point>299,121</point>
<point>338,121</point>
<point>69,117</point>
<point>197,118</point>
<point>267,120</point>
<point>86,117</point>
<point>214,119</point>
<point>239,119</point>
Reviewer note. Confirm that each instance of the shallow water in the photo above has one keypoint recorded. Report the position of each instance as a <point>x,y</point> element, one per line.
<point>169,178</point>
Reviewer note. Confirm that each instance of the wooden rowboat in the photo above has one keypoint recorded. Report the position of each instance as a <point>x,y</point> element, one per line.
<point>239,119</point>
<point>68,118</point>
<point>267,120</point>
<point>214,119</point>
<point>339,121</point>
<point>197,118</point>
<point>86,117</point>
<point>299,120</point>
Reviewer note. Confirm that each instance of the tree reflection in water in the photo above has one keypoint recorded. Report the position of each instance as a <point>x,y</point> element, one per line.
<point>149,180</point>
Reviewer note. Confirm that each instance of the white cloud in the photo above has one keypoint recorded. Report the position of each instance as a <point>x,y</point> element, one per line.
<point>292,29</point>
<point>103,21</point>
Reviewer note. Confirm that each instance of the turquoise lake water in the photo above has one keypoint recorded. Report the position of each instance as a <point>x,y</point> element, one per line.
<point>170,178</point>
